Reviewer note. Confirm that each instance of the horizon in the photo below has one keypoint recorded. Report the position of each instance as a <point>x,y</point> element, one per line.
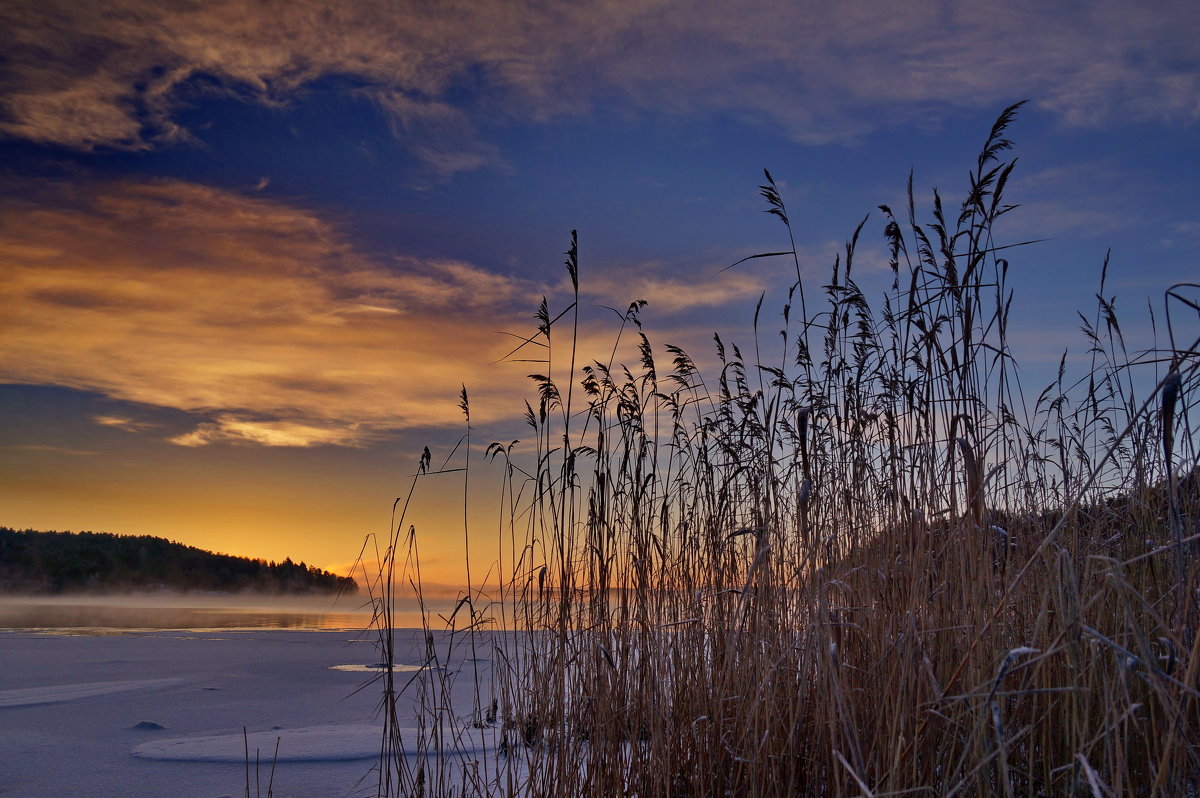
<point>249,262</point>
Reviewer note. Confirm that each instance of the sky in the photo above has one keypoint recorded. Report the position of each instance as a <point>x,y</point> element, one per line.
<point>250,253</point>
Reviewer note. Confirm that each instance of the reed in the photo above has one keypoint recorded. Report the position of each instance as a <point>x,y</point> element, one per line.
<point>878,566</point>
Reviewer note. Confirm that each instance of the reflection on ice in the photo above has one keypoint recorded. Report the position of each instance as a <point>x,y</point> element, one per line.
<point>97,618</point>
<point>106,614</point>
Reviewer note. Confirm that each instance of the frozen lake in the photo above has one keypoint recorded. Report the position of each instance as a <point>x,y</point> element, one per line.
<point>103,701</point>
<point>123,613</point>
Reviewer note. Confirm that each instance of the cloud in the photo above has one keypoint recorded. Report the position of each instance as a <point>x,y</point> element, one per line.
<point>1119,198</point>
<point>672,295</point>
<point>112,74</point>
<point>440,135</point>
<point>124,423</point>
<point>676,289</point>
<point>41,448</point>
<point>262,321</point>
<point>231,429</point>
<point>256,316</point>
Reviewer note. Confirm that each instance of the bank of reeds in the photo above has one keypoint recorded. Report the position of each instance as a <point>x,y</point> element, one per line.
<point>879,566</point>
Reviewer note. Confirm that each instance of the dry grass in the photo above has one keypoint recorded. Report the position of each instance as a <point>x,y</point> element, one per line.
<point>878,567</point>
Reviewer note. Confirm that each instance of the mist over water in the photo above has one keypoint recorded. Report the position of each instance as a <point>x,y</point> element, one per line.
<point>115,613</point>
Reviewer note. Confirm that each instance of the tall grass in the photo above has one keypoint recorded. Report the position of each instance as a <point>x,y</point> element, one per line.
<point>878,566</point>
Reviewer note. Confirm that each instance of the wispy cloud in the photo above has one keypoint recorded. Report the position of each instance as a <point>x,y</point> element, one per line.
<point>231,429</point>
<point>1118,198</point>
<point>668,292</point>
<point>112,74</point>
<point>675,289</point>
<point>257,317</point>
<point>126,423</point>
<point>439,134</point>
<point>46,449</point>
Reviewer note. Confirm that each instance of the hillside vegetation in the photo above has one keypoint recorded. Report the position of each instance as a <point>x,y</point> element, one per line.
<point>57,562</point>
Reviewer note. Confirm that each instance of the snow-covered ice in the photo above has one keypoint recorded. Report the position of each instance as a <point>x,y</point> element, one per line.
<point>52,694</point>
<point>170,714</point>
<point>329,743</point>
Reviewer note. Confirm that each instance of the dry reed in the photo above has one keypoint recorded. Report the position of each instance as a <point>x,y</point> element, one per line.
<point>880,567</point>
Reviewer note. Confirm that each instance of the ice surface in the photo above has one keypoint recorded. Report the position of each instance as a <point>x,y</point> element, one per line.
<point>377,667</point>
<point>330,743</point>
<point>74,709</point>
<point>52,694</point>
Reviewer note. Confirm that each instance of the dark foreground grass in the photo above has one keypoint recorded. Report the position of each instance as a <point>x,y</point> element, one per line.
<point>879,566</point>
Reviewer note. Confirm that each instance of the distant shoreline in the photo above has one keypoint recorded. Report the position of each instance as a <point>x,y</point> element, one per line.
<point>54,563</point>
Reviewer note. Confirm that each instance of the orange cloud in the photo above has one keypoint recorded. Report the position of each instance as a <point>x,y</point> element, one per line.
<point>265,322</point>
<point>50,449</point>
<point>665,294</point>
<point>258,316</point>
<point>231,429</point>
<point>123,422</point>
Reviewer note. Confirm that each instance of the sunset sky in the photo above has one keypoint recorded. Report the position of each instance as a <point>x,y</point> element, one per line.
<point>249,252</point>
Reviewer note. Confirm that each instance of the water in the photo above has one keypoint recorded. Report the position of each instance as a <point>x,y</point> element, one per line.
<point>122,614</point>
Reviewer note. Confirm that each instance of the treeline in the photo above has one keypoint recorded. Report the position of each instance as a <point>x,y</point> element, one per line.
<point>57,562</point>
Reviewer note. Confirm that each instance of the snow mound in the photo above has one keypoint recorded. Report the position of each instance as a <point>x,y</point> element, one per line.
<point>55,693</point>
<point>332,743</point>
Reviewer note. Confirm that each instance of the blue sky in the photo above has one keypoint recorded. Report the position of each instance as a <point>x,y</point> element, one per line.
<point>251,251</point>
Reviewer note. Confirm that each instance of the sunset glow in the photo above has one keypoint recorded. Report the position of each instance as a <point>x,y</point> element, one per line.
<point>251,254</point>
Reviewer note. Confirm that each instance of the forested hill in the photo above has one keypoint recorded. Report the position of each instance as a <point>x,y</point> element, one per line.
<point>55,562</point>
